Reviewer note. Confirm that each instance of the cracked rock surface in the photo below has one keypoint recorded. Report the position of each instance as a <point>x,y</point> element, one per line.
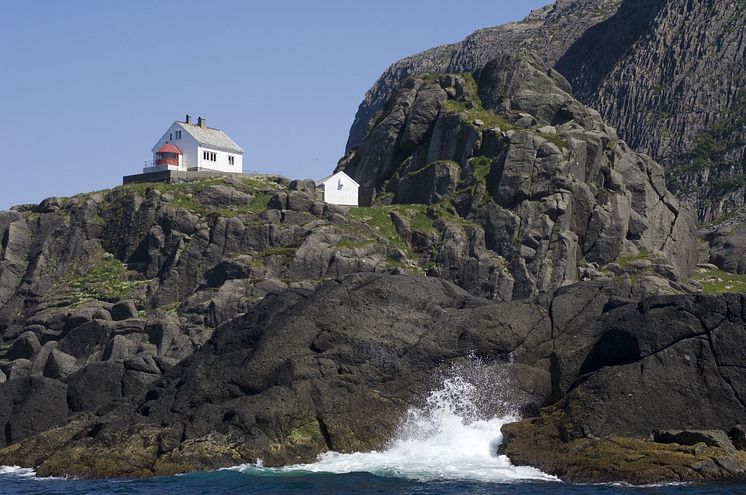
<point>284,382</point>
<point>509,149</point>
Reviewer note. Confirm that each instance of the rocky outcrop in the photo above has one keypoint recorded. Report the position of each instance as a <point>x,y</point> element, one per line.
<point>549,31</point>
<point>119,286</point>
<point>285,382</point>
<point>666,73</point>
<point>510,150</point>
<point>646,362</point>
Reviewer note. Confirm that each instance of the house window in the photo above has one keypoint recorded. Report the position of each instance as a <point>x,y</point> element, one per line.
<point>230,160</point>
<point>210,156</point>
<point>178,134</point>
<point>339,184</point>
<point>170,137</point>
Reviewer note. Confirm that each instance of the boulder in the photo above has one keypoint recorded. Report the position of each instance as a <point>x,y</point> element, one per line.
<point>94,385</point>
<point>221,196</point>
<point>31,405</point>
<point>53,319</point>
<point>144,364</point>
<point>162,333</point>
<point>307,186</point>
<point>86,339</point>
<point>124,310</point>
<point>26,346</point>
<point>40,361</point>
<point>119,348</point>
<point>59,365</point>
<point>17,369</point>
<point>300,202</point>
<point>95,310</point>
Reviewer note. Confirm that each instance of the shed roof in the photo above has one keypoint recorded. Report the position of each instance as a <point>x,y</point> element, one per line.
<point>329,177</point>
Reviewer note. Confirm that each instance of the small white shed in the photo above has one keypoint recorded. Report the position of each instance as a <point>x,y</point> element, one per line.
<point>338,189</point>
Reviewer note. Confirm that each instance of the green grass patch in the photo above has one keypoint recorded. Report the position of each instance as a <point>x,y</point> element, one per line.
<point>261,182</point>
<point>354,243</point>
<point>257,205</point>
<point>259,258</point>
<point>555,139</point>
<point>717,281</point>
<point>629,260</point>
<point>480,167</point>
<point>417,217</point>
<point>104,280</point>
<point>477,110</point>
<point>378,220</point>
<point>185,195</point>
<point>98,220</point>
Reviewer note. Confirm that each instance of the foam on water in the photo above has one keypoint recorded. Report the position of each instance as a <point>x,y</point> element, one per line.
<point>17,472</point>
<point>447,438</point>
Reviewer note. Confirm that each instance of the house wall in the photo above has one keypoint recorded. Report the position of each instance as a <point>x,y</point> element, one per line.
<point>340,190</point>
<point>187,144</point>
<point>221,163</point>
<point>192,156</point>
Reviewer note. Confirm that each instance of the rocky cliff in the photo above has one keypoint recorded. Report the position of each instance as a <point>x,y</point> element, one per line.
<point>161,328</point>
<point>117,287</point>
<point>667,73</point>
<point>549,31</point>
<point>509,149</point>
<point>285,382</point>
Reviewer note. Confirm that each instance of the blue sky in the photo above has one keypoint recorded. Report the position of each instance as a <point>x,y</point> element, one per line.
<point>88,86</point>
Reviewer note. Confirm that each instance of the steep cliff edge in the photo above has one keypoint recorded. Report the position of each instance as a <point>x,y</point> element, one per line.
<point>508,148</point>
<point>676,91</point>
<point>549,31</point>
<point>667,73</point>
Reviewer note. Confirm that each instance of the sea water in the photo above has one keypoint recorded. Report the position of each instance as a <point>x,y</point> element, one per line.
<point>447,445</point>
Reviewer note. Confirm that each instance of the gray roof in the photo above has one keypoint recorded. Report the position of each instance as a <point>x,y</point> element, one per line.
<point>321,181</point>
<point>207,136</point>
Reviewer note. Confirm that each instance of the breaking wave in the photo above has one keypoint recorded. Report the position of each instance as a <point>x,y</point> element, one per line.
<point>454,435</point>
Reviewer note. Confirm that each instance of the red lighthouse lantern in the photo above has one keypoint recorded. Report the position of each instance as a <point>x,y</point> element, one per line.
<point>168,155</point>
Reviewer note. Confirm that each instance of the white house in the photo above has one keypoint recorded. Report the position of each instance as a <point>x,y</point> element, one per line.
<point>187,146</point>
<point>338,189</point>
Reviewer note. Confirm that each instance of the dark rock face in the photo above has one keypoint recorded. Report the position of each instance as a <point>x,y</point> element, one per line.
<point>631,60</point>
<point>284,382</point>
<point>31,405</point>
<point>124,310</point>
<point>429,185</point>
<point>139,275</point>
<point>663,364</point>
<point>548,181</point>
